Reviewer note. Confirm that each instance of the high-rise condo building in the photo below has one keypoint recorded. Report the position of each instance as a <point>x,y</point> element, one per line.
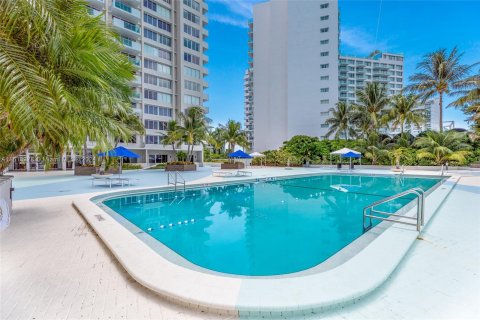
<point>167,41</point>
<point>298,73</point>
<point>295,68</point>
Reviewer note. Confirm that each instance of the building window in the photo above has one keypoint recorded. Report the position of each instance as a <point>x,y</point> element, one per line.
<point>158,111</point>
<point>324,6</point>
<point>157,52</point>
<point>153,65</point>
<point>155,125</point>
<point>190,72</point>
<point>192,4</point>
<point>324,77</point>
<point>160,38</point>
<point>324,66</point>
<point>324,41</point>
<point>194,86</point>
<point>188,99</point>
<point>324,54</point>
<point>323,30</point>
<point>324,90</point>
<point>159,96</point>
<point>157,81</point>
<point>191,44</point>
<point>191,30</point>
<point>164,12</point>
<point>324,18</point>
<point>157,22</point>
<point>191,58</point>
<point>191,17</point>
<point>150,139</point>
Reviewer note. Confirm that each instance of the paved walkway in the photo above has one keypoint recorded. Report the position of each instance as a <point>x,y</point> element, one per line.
<point>53,266</point>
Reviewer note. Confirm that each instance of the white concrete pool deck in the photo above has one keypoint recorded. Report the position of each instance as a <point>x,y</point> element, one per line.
<point>53,266</point>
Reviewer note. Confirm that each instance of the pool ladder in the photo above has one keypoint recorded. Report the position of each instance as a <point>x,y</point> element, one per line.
<point>175,178</point>
<point>371,213</point>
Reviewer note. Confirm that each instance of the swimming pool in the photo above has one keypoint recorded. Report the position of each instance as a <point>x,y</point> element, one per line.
<point>263,228</point>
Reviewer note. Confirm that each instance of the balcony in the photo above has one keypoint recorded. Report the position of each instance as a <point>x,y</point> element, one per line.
<point>94,12</point>
<point>136,95</point>
<point>131,45</point>
<point>128,27</point>
<point>99,4</point>
<point>136,61</point>
<point>205,59</point>
<point>137,80</point>
<point>124,10</point>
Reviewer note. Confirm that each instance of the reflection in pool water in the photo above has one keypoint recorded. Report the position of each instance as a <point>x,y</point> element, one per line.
<point>263,228</point>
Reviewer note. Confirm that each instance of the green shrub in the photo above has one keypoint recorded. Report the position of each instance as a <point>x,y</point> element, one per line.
<point>131,166</point>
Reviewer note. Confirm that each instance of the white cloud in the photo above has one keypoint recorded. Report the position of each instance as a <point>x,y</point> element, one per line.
<point>237,12</point>
<point>238,22</point>
<point>360,41</point>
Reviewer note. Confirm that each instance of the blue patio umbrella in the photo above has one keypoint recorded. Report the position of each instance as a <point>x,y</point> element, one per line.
<point>240,154</point>
<point>351,155</point>
<point>119,152</point>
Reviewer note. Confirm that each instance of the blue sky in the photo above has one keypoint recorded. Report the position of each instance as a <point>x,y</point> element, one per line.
<point>413,28</point>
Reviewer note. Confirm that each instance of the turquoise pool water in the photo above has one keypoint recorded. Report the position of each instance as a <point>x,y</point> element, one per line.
<point>263,228</point>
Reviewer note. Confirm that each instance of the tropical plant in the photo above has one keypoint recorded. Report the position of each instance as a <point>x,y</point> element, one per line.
<point>216,139</point>
<point>303,147</point>
<point>437,73</point>
<point>340,122</point>
<point>443,146</point>
<point>63,78</point>
<point>469,100</point>
<point>404,111</point>
<point>234,135</point>
<point>193,128</point>
<point>369,111</point>
<point>173,137</point>
<point>374,147</point>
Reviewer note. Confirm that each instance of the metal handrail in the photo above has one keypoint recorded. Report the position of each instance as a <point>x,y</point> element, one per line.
<point>420,217</point>
<point>175,181</point>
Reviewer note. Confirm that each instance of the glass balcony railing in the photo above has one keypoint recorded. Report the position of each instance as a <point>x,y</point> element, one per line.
<point>135,61</point>
<point>124,7</point>
<point>126,25</point>
<point>131,44</point>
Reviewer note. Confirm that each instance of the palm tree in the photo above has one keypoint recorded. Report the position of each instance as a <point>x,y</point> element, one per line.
<point>404,110</point>
<point>375,148</point>
<point>370,108</point>
<point>193,128</point>
<point>63,78</point>
<point>216,139</point>
<point>437,73</point>
<point>469,100</point>
<point>173,136</point>
<point>340,122</point>
<point>234,135</point>
<point>441,147</point>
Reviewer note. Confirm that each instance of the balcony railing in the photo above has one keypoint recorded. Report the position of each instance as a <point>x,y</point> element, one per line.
<point>126,8</point>
<point>126,25</point>
<point>131,44</point>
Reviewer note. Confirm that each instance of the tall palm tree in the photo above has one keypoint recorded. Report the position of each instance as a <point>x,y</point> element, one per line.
<point>63,78</point>
<point>404,111</point>
<point>370,108</point>
<point>234,135</point>
<point>216,139</point>
<point>173,136</point>
<point>340,122</point>
<point>193,127</point>
<point>437,73</point>
<point>441,147</point>
<point>375,148</point>
<point>469,100</point>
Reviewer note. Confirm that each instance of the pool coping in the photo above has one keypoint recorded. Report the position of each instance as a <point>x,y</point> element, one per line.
<point>269,296</point>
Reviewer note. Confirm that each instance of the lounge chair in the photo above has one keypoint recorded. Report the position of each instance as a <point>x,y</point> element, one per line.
<point>238,173</point>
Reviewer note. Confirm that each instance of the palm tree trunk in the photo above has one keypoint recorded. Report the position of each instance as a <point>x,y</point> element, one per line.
<point>401,128</point>
<point>441,111</point>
